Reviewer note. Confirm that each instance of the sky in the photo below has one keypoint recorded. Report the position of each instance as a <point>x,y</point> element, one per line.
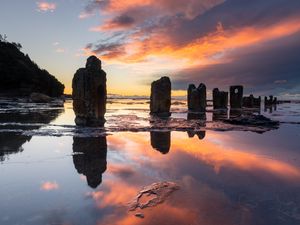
<point>217,42</point>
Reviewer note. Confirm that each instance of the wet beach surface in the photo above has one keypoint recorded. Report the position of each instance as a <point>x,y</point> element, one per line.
<point>53,172</point>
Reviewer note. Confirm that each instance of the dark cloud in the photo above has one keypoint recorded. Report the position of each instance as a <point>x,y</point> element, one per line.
<point>259,68</point>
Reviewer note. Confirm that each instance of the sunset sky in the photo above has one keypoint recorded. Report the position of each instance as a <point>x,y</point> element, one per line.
<point>219,42</point>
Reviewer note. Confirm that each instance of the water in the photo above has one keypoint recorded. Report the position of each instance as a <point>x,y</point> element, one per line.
<point>55,173</point>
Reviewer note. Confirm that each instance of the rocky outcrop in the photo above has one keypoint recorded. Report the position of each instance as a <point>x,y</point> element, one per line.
<point>90,158</point>
<point>20,76</point>
<point>236,97</point>
<point>220,99</point>
<point>160,99</point>
<point>251,102</point>
<point>89,94</point>
<point>39,98</point>
<point>197,98</point>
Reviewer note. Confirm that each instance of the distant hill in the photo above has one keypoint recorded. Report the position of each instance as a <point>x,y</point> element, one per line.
<point>20,76</point>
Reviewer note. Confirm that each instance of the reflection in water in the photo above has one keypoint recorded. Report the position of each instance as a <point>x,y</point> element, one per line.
<point>200,134</point>
<point>270,108</point>
<point>90,158</point>
<point>11,142</point>
<point>161,141</point>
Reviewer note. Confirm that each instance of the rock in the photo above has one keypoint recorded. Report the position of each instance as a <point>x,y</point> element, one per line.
<point>161,141</point>
<point>89,94</point>
<point>197,98</point>
<point>20,76</point>
<point>90,158</point>
<point>157,193</point>
<point>220,99</point>
<point>39,98</point>
<point>160,99</point>
<point>236,97</point>
<point>140,215</point>
<point>253,120</point>
<point>251,102</point>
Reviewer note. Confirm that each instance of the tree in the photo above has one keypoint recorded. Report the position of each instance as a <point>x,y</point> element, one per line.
<point>3,38</point>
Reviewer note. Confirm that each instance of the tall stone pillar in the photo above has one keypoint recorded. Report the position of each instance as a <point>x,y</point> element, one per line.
<point>220,99</point>
<point>236,97</point>
<point>160,99</point>
<point>197,98</point>
<point>89,94</point>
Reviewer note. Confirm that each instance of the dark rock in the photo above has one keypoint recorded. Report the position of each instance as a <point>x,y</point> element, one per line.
<point>90,158</point>
<point>20,76</point>
<point>236,97</point>
<point>197,98</point>
<point>160,99</point>
<point>270,101</point>
<point>251,102</point>
<point>89,94</point>
<point>220,99</point>
<point>253,120</point>
<point>161,141</point>
<point>39,98</point>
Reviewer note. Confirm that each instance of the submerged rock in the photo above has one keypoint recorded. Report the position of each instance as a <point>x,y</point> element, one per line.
<point>253,120</point>
<point>89,94</point>
<point>160,99</point>
<point>40,98</point>
<point>236,96</point>
<point>159,193</point>
<point>197,98</point>
<point>220,99</point>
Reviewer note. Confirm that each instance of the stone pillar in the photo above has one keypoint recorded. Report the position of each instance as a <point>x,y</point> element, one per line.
<point>251,102</point>
<point>90,158</point>
<point>236,97</point>
<point>197,98</point>
<point>89,94</point>
<point>160,99</point>
<point>220,99</point>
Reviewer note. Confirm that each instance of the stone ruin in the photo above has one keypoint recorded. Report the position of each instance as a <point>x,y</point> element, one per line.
<point>89,94</point>
<point>251,102</point>
<point>271,101</point>
<point>220,99</point>
<point>197,98</point>
<point>160,99</point>
<point>236,97</point>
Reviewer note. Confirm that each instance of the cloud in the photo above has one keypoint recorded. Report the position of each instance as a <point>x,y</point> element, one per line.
<point>60,50</point>
<point>49,186</point>
<point>211,40</point>
<point>44,6</point>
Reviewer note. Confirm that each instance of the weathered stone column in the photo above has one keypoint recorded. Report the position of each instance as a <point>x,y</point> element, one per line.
<point>251,102</point>
<point>197,98</point>
<point>89,94</point>
<point>220,99</point>
<point>160,99</point>
<point>236,97</point>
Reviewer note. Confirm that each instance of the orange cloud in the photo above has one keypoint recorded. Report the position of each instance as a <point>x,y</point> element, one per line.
<point>49,186</point>
<point>46,6</point>
<point>210,49</point>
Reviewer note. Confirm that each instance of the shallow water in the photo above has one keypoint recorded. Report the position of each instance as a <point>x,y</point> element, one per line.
<point>55,173</point>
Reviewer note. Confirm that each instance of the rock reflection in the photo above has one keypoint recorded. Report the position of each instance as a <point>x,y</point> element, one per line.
<point>90,158</point>
<point>161,141</point>
<point>199,134</point>
<point>12,142</point>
